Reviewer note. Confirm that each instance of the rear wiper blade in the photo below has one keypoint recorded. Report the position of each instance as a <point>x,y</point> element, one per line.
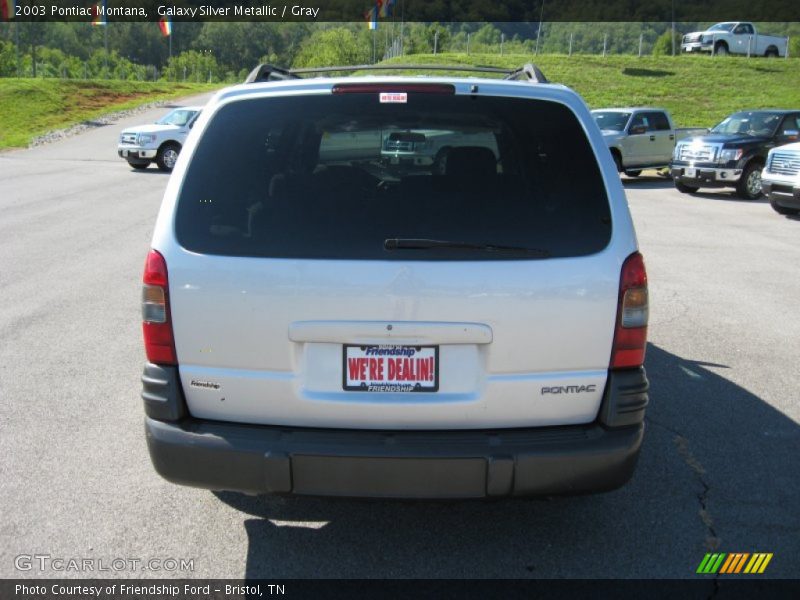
<point>425,244</point>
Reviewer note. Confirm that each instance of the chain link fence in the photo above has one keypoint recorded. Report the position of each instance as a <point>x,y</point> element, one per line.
<point>572,43</point>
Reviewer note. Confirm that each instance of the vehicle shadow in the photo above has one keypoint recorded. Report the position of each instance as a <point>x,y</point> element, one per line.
<point>647,182</point>
<point>148,171</point>
<point>646,72</point>
<point>726,196</point>
<point>717,471</point>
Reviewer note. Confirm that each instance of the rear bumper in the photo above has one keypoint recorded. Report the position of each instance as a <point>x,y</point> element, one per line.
<point>397,464</point>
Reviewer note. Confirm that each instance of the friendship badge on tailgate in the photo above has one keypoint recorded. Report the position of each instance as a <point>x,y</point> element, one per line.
<point>390,368</point>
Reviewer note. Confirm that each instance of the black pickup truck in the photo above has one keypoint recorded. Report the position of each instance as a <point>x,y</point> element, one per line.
<point>734,152</point>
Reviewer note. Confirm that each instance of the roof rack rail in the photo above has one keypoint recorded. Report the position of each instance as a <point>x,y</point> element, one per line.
<point>531,71</point>
<point>265,72</point>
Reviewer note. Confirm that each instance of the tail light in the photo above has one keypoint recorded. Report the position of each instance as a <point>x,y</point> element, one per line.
<point>159,343</point>
<point>630,337</point>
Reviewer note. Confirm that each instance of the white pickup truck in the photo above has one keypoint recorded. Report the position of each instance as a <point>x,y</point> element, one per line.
<point>640,138</point>
<point>734,37</point>
<point>780,179</point>
<point>159,142</point>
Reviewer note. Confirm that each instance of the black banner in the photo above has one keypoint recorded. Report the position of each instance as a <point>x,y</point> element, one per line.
<point>407,10</point>
<point>204,589</point>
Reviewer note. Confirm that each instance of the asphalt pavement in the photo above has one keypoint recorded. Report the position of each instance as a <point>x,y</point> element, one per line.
<point>718,471</point>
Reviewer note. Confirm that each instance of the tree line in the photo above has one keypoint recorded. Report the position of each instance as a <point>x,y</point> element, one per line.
<point>225,51</point>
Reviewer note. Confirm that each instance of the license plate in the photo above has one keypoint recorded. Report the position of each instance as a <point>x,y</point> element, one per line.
<point>390,368</point>
<point>690,172</point>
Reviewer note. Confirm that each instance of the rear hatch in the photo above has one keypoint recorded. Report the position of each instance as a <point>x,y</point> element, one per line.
<point>314,281</point>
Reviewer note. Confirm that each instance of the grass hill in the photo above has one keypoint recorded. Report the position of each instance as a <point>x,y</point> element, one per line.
<point>32,107</point>
<point>698,90</point>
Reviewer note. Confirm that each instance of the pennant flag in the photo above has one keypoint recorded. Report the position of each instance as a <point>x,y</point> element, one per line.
<point>372,17</point>
<point>165,25</point>
<point>99,14</point>
<point>7,9</point>
<point>386,7</point>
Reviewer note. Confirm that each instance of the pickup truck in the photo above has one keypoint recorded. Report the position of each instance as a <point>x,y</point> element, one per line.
<point>734,37</point>
<point>421,149</point>
<point>640,138</point>
<point>734,152</point>
<point>430,147</point>
<point>159,142</point>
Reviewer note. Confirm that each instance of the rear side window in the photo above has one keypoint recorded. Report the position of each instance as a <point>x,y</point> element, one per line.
<point>790,124</point>
<point>335,176</point>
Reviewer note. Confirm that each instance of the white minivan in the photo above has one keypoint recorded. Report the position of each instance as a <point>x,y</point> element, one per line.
<point>338,323</point>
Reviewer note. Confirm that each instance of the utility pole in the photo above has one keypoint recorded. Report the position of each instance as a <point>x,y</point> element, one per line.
<point>32,31</point>
<point>402,22</point>
<point>673,27</point>
<point>388,44</point>
<point>539,28</point>
<point>16,46</point>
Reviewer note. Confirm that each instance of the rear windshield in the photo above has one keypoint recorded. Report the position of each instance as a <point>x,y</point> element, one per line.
<point>337,175</point>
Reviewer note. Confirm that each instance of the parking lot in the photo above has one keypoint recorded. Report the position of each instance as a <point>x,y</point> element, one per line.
<point>718,469</point>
